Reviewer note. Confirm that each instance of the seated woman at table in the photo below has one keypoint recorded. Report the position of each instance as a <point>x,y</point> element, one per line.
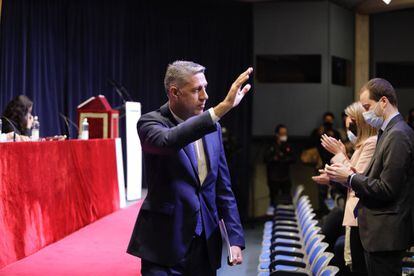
<point>17,118</point>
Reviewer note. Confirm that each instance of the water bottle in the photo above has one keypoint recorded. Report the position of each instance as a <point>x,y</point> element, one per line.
<point>35,129</point>
<point>85,129</point>
<point>2,136</point>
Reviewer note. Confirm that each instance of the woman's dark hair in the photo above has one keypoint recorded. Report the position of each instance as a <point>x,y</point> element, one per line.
<point>17,110</point>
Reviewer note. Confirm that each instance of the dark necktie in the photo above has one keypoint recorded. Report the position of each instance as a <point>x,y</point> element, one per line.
<point>380,132</point>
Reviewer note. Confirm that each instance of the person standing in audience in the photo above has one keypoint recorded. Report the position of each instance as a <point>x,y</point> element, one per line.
<point>385,189</point>
<point>189,189</point>
<point>364,139</point>
<point>327,128</point>
<point>17,117</point>
<point>278,158</point>
<point>343,131</point>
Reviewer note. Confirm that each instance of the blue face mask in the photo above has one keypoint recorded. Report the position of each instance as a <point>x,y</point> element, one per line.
<point>352,138</point>
<point>372,118</point>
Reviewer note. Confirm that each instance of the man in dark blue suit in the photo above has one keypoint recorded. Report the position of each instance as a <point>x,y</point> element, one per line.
<point>189,187</point>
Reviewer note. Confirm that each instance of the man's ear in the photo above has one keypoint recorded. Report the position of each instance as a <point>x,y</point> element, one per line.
<point>384,101</point>
<point>174,91</point>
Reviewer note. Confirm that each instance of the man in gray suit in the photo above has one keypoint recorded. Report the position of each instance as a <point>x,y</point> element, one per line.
<point>385,189</point>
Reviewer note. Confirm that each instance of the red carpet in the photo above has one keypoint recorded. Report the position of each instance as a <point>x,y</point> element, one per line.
<point>97,249</point>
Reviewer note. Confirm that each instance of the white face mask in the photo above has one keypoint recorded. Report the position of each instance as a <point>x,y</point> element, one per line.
<point>283,138</point>
<point>372,118</point>
<point>352,138</point>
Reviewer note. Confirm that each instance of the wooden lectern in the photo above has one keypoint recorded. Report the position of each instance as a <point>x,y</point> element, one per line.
<point>103,120</point>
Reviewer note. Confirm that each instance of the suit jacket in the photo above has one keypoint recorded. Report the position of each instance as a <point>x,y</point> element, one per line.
<point>385,191</point>
<point>167,220</point>
<point>360,160</point>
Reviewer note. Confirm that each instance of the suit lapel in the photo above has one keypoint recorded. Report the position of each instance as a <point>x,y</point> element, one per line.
<point>376,152</point>
<point>208,149</point>
<point>189,149</point>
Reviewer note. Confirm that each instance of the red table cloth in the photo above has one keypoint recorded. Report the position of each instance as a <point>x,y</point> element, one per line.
<point>50,189</point>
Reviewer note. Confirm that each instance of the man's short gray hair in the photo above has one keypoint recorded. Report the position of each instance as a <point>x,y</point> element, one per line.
<point>179,72</point>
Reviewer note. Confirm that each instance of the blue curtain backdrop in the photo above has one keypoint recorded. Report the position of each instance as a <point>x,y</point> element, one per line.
<point>61,52</point>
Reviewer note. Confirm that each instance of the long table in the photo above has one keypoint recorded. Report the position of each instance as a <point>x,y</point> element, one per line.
<point>51,189</point>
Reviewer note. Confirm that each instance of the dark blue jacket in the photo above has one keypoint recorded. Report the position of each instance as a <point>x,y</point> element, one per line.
<point>168,216</point>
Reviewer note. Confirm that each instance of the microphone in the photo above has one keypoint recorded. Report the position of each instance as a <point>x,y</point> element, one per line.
<point>67,122</point>
<point>120,90</point>
<point>117,90</point>
<point>12,125</point>
<point>125,91</point>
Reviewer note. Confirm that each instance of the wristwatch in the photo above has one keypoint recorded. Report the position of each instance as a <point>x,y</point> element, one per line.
<point>350,179</point>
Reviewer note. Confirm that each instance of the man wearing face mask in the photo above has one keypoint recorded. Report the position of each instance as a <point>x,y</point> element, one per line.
<point>278,159</point>
<point>384,190</point>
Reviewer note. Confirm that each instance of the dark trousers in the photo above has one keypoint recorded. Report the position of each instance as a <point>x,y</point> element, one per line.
<point>195,262</point>
<point>332,227</point>
<point>338,250</point>
<point>357,253</point>
<point>322,195</point>
<point>387,263</point>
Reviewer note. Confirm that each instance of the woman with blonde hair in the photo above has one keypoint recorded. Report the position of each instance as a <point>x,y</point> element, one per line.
<point>364,138</point>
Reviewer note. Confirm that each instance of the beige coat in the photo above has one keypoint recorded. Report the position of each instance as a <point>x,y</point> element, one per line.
<point>360,161</point>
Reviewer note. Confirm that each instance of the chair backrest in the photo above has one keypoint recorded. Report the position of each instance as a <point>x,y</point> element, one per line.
<point>310,233</point>
<point>304,220</point>
<point>304,212</point>
<point>321,262</point>
<point>315,240</point>
<point>303,202</point>
<point>317,249</point>
<point>308,225</point>
<point>329,271</point>
<point>299,190</point>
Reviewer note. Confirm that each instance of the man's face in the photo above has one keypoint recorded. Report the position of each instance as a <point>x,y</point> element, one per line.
<point>366,102</point>
<point>328,119</point>
<point>192,97</point>
<point>283,132</point>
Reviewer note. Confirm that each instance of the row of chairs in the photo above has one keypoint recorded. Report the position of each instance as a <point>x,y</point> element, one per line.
<point>408,262</point>
<point>292,243</point>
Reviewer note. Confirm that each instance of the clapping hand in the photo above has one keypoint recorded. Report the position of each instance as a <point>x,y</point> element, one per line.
<point>332,145</point>
<point>339,172</point>
<point>322,179</point>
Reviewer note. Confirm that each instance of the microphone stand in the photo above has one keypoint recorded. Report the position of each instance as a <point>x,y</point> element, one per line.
<point>12,125</point>
<point>67,121</point>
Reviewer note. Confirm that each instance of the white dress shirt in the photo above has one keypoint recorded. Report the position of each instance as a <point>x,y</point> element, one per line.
<point>198,145</point>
